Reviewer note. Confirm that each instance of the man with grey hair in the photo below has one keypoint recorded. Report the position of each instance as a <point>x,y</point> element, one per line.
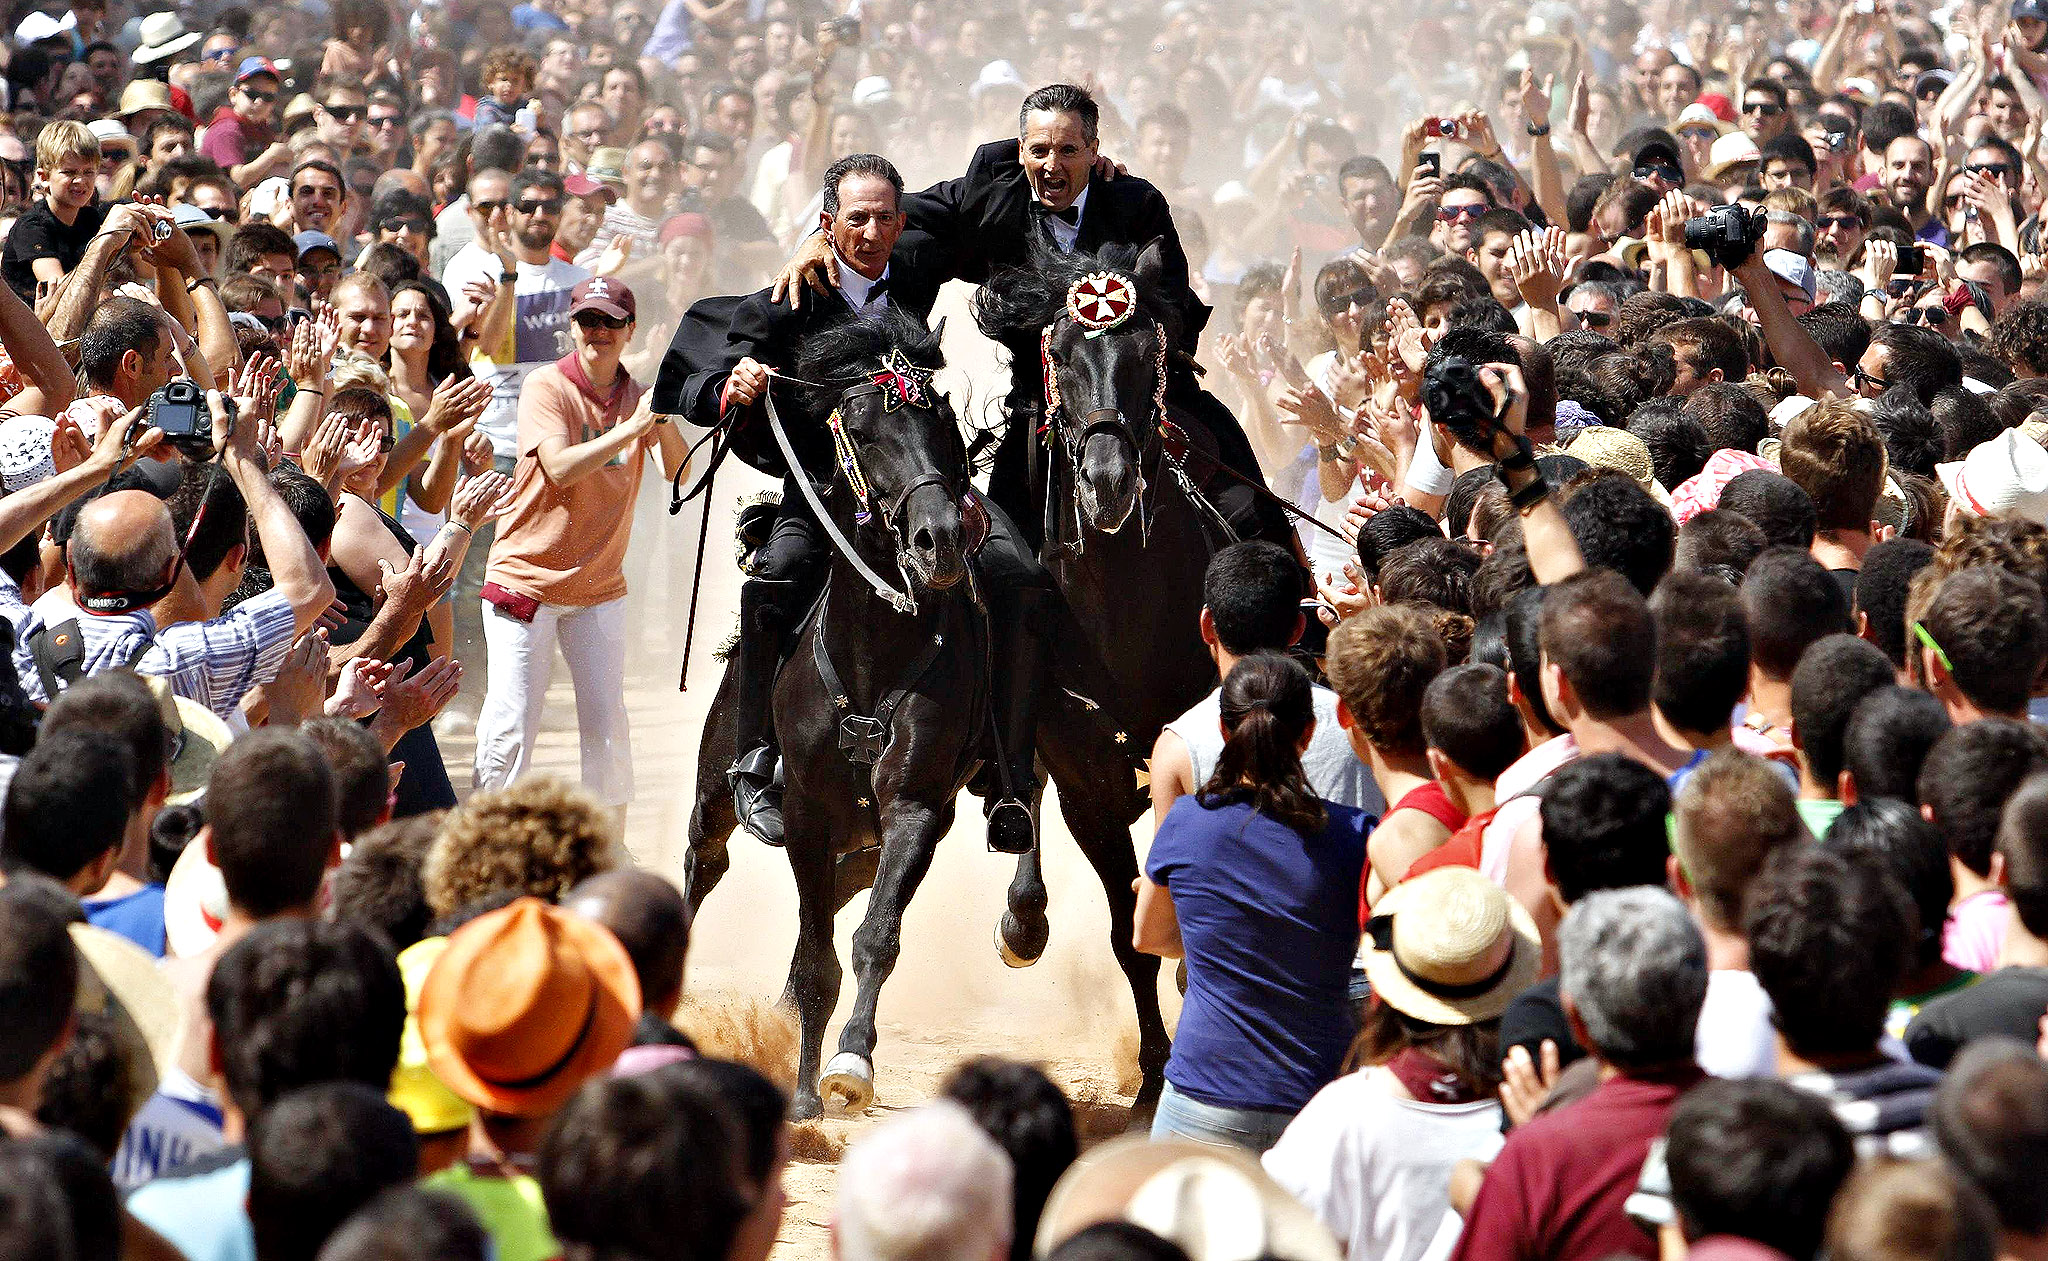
<point>1990,1121</point>
<point>1634,975</point>
<point>926,1186</point>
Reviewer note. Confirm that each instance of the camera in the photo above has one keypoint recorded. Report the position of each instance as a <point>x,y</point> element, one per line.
<point>1912,261</point>
<point>1726,234</point>
<point>1459,402</point>
<point>1434,161</point>
<point>1442,128</point>
<point>179,410</point>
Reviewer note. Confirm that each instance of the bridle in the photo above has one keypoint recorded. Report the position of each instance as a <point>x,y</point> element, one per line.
<point>898,384</point>
<point>1099,302</point>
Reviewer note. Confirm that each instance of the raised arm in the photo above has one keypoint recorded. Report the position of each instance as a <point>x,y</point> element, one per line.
<point>51,383</point>
<point>299,573</point>
<point>1790,344</point>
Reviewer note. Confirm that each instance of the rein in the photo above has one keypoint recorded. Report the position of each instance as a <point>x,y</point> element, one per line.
<point>903,601</point>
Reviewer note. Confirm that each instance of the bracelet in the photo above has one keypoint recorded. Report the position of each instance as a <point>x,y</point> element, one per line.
<point>1523,458</point>
<point>508,277</point>
<point>309,390</point>
<point>197,281</point>
<point>1530,495</point>
<point>458,525</point>
<point>1534,130</point>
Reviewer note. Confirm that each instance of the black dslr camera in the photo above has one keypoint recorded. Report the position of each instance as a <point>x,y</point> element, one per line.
<point>179,410</point>
<point>1726,234</point>
<point>1460,404</point>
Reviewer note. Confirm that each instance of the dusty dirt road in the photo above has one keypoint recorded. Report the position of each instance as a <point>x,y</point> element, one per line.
<point>951,997</point>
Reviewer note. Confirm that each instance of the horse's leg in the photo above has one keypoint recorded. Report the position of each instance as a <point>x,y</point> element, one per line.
<point>1022,932</point>
<point>711,817</point>
<point>855,871</point>
<point>814,970</point>
<point>910,836</point>
<point>1099,812</point>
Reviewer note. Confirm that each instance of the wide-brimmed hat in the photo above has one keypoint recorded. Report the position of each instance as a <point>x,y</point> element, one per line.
<point>25,451</point>
<point>142,95</point>
<point>1604,446</point>
<point>524,1005</point>
<point>163,35</point>
<point>1698,115</point>
<point>138,998</point>
<point>1217,1203</point>
<point>193,219</point>
<point>2008,474</point>
<point>1450,948</point>
<point>198,738</point>
<point>1731,151</point>
<point>607,165</point>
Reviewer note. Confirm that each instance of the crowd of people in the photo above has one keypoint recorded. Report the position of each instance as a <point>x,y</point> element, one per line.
<point>1620,826</point>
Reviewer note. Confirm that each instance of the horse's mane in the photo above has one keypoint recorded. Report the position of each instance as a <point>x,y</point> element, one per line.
<point>838,354</point>
<point>1023,300</point>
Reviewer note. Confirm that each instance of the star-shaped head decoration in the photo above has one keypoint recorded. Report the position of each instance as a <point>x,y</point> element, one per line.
<point>1101,299</point>
<point>903,383</point>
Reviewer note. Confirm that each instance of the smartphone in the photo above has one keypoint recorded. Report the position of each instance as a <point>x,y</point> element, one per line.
<point>1442,128</point>
<point>1434,162</point>
<point>1912,261</point>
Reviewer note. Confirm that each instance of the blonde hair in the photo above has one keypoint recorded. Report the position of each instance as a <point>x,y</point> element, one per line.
<point>540,836</point>
<point>65,138</point>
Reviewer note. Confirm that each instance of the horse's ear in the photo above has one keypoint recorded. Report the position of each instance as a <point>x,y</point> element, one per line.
<point>1152,263</point>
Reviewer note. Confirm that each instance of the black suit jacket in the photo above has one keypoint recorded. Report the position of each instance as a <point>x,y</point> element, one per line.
<point>982,222</point>
<point>716,333</point>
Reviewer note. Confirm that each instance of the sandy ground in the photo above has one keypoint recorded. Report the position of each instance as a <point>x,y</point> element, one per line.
<point>951,997</point>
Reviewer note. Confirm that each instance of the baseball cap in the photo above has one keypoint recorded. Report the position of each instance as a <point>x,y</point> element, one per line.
<point>193,219</point>
<point>309,240</point>
<point>873,90</point>
<point>996,74</point>
<point>580,185</point>
<point>253,66</point>
<point>688,223</point>
<point>40,25</point>
<point>1698,115</point>
<point>1931,81</point>
<point>110,131</point>
<point>1658,150</point>
<point>1793,269</point>
<point>603,294</point>
<point>2005,476</point>
<point>2036,9</point>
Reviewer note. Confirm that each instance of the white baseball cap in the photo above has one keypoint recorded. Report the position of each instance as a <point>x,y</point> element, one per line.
<point>2008,474</point>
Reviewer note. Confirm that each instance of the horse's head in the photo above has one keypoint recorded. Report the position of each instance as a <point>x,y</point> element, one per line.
<point>1103,335</point>
<point>896,440</point>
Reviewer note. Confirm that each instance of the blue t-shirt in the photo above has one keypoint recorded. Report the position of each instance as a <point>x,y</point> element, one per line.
<point>138,916</point>
<point>1269,920</point>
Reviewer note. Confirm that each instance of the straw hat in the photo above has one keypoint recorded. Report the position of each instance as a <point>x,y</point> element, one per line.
<point>198,738</point>
<point>1217,1203</point>
<point>163,35</point>
<point>1729,152</point>
<point>142,1003</point>
<point>1450,948</point>
<point>524,1005</point>
<point>1604,446</point>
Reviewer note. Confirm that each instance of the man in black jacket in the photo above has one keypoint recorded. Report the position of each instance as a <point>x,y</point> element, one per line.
<point>1050,185</point>
<point>719,365</point>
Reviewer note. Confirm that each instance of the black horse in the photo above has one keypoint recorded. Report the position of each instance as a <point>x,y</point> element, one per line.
<point>1127,539</point>
<point>879,709</point>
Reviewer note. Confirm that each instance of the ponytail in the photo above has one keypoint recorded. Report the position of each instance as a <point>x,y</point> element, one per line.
<point>1266,705</point>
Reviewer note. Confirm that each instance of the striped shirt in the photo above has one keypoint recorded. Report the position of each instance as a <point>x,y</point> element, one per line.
<point>215,663</point>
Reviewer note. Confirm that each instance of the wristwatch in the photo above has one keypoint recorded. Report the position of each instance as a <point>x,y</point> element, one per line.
<point>509,277</point>
<point>1535,130</point>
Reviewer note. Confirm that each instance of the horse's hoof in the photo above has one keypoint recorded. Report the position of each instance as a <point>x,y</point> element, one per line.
<point>1018,946</point>
<point>849,1078</point>
<point>806,1106</point>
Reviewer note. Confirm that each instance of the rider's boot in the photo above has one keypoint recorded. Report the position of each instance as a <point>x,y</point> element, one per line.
<point>1021,670</point>
<point>755,779</point>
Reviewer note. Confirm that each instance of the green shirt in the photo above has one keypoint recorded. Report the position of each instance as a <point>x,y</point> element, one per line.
<point>511,1209</point>
<point>1819,816</point>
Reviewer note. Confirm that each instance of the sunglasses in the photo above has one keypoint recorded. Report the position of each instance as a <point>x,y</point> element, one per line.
<point>418,227</point>
<point>1953,200</point>
<point>597,319</point>
<point>387,120</point>
<point>1658,170</point>
<point>551,206</point>
<point>1997,170</point>
<point>1451,214</point>
<point>1596,319</point>
<point>220,54</point>
<point>1846,223</point>
<point>343,113</point>
<point>259,96</point>
<point>1931,316</point>
<point>1861,378</point>
<point>1769,109</point>
<point>488,207</point>
<point>1341,303</point>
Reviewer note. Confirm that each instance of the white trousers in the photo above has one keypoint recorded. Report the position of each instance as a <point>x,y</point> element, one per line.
<point>520,658</point>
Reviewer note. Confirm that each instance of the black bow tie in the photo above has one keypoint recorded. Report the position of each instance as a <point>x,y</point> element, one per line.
<point>1071,216</point>
<point>876,292</point>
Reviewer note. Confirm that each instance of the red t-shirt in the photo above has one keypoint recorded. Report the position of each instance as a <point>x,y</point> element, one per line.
<point>1429,798</point>
<point>1462,850</point>
<point>1557,1188</point>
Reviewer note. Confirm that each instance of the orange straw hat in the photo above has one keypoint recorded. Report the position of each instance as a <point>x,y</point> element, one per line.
<point>525,1005</point>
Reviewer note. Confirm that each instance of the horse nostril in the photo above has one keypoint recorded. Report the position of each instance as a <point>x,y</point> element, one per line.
<point>923,541</point>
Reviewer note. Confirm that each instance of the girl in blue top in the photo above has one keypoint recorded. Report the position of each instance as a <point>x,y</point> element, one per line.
<point>1254,881</point>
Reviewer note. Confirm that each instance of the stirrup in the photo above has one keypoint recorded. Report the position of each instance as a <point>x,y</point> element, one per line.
<point>1011,829</point>
<point>756,784</point>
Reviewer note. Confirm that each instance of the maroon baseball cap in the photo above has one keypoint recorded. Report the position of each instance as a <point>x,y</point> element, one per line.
<point>584,186</point>
<point>602,293</point>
